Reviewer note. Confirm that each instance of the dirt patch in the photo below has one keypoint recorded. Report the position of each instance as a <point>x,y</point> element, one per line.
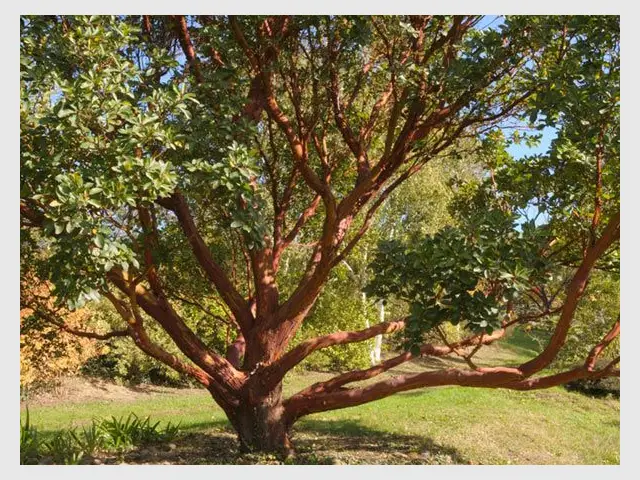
<point>82,390</point>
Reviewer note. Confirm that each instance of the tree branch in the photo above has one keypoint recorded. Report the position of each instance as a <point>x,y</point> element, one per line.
<point>330,395</point>
<point>187,46</point>
<point>298,406</point>
<point>590,362</point>
<point>574,293</point>
<point>215,365</point>
<point>142,341</point>
<point>430,350</point>
<point>237,304</point>
<point>50,318</point>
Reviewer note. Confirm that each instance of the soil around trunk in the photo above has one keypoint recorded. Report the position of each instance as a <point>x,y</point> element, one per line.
<point>317,446</point>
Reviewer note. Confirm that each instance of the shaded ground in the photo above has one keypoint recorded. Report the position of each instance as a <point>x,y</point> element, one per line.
<point>319,443</point>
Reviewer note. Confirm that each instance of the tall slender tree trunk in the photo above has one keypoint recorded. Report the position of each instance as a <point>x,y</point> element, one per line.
<point>377,343</point>
<point>372,351</point>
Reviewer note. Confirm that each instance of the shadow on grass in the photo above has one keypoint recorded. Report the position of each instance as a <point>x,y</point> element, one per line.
<point>342,442</point>
<point>351,442</point>
<point>315,442</point>
<point>213,442</point>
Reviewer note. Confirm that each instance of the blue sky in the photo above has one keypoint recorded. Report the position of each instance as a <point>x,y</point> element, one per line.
<point>521,150</point>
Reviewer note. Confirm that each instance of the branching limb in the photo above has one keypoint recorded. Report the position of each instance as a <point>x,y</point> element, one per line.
<point>53,320</point>
<point>330,394</point>
<point>431,350</point>
<point>187,46</point>
<point>237,304</point>
<point>575,290</point>
<point>215,365</point>
<point>298,406</point>
<point>142,340</point>
<point>354,143</point>
<point>302,219</point>
<point>372,210</point>
<point>590,362</point>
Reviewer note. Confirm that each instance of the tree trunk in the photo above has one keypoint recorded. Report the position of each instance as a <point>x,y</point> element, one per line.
<point>261,424</point>
<point>377,344</point>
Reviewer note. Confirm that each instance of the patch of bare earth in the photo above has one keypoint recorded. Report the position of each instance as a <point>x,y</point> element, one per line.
<point>81,390</point>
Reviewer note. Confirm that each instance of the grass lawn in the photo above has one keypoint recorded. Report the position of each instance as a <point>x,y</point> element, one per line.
<point>432,426</point>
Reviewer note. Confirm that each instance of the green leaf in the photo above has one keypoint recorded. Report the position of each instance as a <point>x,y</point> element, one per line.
<point>62,113</point>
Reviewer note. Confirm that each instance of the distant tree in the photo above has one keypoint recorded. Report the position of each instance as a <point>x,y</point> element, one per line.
<point>159,154</point>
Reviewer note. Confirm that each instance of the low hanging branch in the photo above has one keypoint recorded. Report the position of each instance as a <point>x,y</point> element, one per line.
<point>327,395</point>
<point>330,394</point>
<point>142,340</point>
<point>425,350</point>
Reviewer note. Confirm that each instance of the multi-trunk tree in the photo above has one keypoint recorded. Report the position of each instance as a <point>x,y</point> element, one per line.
<point>157,151</point>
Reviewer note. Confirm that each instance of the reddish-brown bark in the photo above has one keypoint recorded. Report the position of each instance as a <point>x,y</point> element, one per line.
<point>187,46</point>
<point>574,292</point>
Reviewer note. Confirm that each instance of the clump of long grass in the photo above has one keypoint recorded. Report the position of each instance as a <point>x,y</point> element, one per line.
<point>73,446</point>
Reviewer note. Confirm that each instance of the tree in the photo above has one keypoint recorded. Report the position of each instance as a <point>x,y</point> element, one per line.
<point>168,154</point>
<point>45,352</point>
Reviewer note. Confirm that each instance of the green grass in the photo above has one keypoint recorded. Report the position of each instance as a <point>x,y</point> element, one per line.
<point>494,426</point>
<point>520,344</point>
<point>192,409</point>
<point>480,426</point>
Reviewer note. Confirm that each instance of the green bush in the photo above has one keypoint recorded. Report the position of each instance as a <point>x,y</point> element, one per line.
<point>122,361</point>
<point>123,433</point>
<point>124,364</point>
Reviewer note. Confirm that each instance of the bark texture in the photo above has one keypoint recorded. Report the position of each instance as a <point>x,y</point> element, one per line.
<point>261,423</point>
